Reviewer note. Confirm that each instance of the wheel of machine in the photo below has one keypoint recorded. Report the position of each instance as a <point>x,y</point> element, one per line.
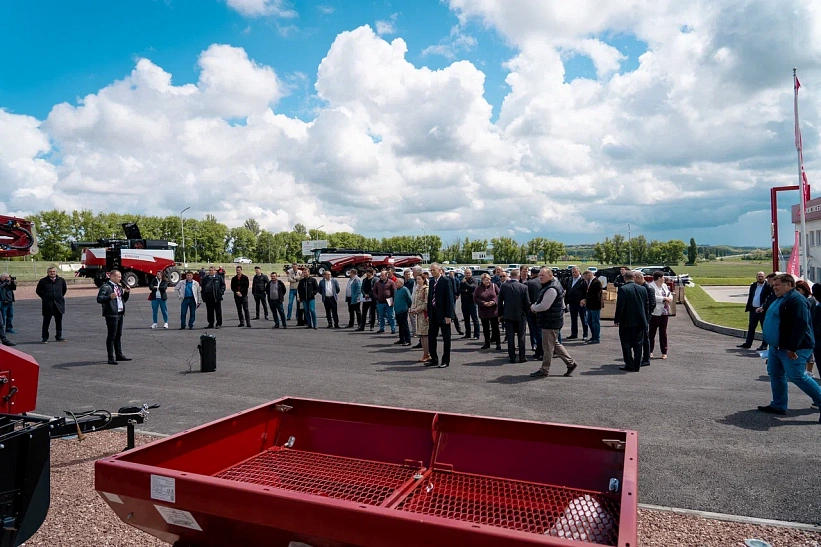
<point>172,275</point>
<point>98,282</point>
<point>131,279</point>
<point>324,267</point>
<point>349,270</point>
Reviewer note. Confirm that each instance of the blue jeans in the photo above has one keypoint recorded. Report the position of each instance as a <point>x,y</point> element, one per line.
<point>310,313</point>
<point>159,303</point>
<point>594,322</point>
<point>277,310</point>
<point>8,315</point>
<point>781,368</point>
<point>291,298</point>
<point>188,304</point>
<point>385,312</point>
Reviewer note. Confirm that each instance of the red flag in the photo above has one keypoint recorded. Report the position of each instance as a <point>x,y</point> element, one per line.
<point>792,263</point>
<point>797,83</point>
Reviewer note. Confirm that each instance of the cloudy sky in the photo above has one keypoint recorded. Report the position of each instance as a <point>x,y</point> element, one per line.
<point>468,118</point>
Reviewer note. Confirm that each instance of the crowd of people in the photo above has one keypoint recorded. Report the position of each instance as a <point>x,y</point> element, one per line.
<point>518,307</point>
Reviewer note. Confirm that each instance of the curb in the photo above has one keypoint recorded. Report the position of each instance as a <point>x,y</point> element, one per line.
<point>702,324</point>
<point>733,518</point>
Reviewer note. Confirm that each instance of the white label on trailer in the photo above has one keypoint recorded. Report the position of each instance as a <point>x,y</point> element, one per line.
<point>178,517</point>
<point>113,498</point>
<point>163,489</point>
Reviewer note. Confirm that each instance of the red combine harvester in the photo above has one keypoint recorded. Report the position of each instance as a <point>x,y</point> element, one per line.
<point>342,475</point>
<point>138,259</point>
<point>339,261</point>
<point>17,237</point>
<point>406,260</point>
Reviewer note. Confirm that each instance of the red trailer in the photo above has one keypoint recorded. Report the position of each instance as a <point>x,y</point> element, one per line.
<point>340,475</point>
<point>407,260</point>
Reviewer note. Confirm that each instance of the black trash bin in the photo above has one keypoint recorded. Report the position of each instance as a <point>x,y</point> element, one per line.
<point>208,353</point>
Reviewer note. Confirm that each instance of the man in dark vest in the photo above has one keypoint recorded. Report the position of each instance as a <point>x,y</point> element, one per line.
<point>549,311</point>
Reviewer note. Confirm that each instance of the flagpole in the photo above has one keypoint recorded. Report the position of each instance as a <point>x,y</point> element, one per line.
<point>799,145</point>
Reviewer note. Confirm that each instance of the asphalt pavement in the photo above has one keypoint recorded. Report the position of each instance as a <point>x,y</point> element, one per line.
<point>702,444</point>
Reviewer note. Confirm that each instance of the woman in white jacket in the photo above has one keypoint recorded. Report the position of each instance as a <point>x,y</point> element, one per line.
<point>658,321</point>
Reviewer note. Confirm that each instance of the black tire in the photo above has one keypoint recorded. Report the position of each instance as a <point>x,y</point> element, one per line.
<point>324,267</point>
<point>172,275</point>
<point>131,279</point>
<point>348,271</point>
<point>98,282</point>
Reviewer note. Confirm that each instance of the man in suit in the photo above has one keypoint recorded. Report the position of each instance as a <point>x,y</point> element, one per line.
<point>534,288</point>
<point>631,318</point>
<point>112,296</point>
<point>239,286</point>
<point>213,287</point>
<point>513,303</point>
<point>760,290</point>
<point>592,303</point>
<point>440,311</point>
<point>329,288</point>
<point>52,291</point>
<point>638,279</point>
<point>353,293</point>
<point>576,292</point>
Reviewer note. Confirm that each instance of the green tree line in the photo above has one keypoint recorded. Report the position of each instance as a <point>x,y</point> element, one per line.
<point>618,250</point>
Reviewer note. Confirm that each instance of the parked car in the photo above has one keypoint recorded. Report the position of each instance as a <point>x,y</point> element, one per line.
<point>242,260</point>
<point>399,271</point>
<point>592,269</point>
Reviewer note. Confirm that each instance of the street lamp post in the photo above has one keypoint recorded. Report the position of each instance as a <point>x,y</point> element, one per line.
<point>630,246</point>
<point>316,230</point>
<point>182,229</point>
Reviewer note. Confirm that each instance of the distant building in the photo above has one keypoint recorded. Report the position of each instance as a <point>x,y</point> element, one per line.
<point>813,242</point>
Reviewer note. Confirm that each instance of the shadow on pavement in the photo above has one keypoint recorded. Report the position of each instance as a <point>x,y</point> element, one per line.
<point>512,380</point>
<point>755,420</point>
<point>75,364</point>
<point>604,370</point>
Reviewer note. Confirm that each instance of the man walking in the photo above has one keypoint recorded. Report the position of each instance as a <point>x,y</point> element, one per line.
<point>760,290</point>
<point>384,292</point>
<point>275,292</point>
<point>593,303</point>
<point>789,333</point>
<point>631,318</point>
<point>213,289</point>
<point>112,296</point>
<point>469,312</point>
<point>293,283</point>
<point>576,292</point>
<point>190,295</point>
<point>440,311</point>
<point>239,286</point>
<point>353,294</point>
<point>329,288</point>
<point>52,291</point>
<point>549,309</point>
<point>368,304</point>
<point>258,285</point>
<point>9,283</point>
<point>534,288</point>
<point>513,301</point>
<point>638,278</point>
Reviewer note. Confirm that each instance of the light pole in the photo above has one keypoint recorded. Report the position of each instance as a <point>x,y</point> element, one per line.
<point>425,243</point>
<point>316,230</point>
<point>630,246</point>
<point>182,229</point>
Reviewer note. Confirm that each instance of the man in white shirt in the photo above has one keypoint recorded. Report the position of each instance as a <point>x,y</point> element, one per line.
<point>329,288</point>
<point>112,297</point>
<point>760,289</point>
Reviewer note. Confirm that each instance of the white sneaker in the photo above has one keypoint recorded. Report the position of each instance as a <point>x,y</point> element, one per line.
<point>651,356</point>
<point>154,326</point>
<point>165,325</point>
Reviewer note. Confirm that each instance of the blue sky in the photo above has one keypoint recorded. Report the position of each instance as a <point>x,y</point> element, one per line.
<point>57,51</point>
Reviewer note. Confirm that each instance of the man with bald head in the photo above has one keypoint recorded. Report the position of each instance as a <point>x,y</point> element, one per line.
<point>759,291</point>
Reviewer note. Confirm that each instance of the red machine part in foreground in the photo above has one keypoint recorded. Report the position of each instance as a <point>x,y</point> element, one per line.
<point>19,377</point>
<point>340,475</point>
<point>17,237</point>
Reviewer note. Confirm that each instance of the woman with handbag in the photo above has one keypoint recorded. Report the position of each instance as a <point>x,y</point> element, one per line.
<point>661,314</point>
<point>486,297</point>
<point>157,288</point>
<point>419,309</point>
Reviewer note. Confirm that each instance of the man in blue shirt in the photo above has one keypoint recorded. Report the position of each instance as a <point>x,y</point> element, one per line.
<point>788,331</point>
<point>191,295</point>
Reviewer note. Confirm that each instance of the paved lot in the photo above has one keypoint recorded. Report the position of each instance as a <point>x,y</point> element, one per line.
<point>702,444</point>
<point>733,295</point>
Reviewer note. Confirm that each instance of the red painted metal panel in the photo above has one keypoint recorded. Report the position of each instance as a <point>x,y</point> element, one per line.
<point>18,393</point>
<point>350,497</point>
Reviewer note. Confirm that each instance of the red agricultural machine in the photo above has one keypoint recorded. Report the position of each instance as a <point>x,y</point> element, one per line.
<point>327,474</point>
<point>138,259</point>
<point>17,237</point>
<point>339,261</point>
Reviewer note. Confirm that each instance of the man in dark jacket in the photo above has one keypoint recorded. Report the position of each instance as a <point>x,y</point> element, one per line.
<point>258,285</point>
<point>638,278</point>
<point>276,294</point>
<point>213,288</point>
<point>576,292</point>
<point>593,304</point>
<point>440,312</point>
<point>6,295</point>
<point>534,288</point>
<point>469,312</point>
<point>788,331</point>
<point>368,302</point>
<point>760,291</point>
<point>454,281</point>
<point>549,309</point>
<point>239,286</point>
<point>7,303</point>
<point>631,318</point>
<point>112,296</point>
<point>383,293</point>
<point>52,291</point>
<point>329,289</point>
<point>306,294</point>
<point>513,302</point>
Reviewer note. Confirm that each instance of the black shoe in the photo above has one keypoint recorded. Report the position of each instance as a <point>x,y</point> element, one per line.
<point>745,346</point>
<point>359,330</point>
<point>60,339</point>
<point>182,327</point>
<point>570,370</point>
<point>467,337</point>
<point>256,318</point>
<point>762,347</point>
<point>275,327</point>
<point>209,326</point>
<point>248,325</point>
<point>218,326</point>
<point>628,369</point>
<point>266,318</point>
<point>645,364</point>
<point>572,338</point>
<point>459,332</point>
<point>123,358</point>
<point>418,346</point>
<point>190,327</point>
<point>522,360</point>
<point>498,348</point>
<point>112,362</point>
<point>337,327</point>
<point>241,325</point>
<point>486,346</point>
<point>769,409</point>
<point>350,327</point>
<point>432,363</point>
<point>284,326</point>
<point>380,331</point>
<point>512,360</point>
<point>45,341</point>
<point>316,328</point>
<point>9,343</point>
<point>443,365</point>
<point>538,374</point>
<point>329,327</point>
<point>397,342</point>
